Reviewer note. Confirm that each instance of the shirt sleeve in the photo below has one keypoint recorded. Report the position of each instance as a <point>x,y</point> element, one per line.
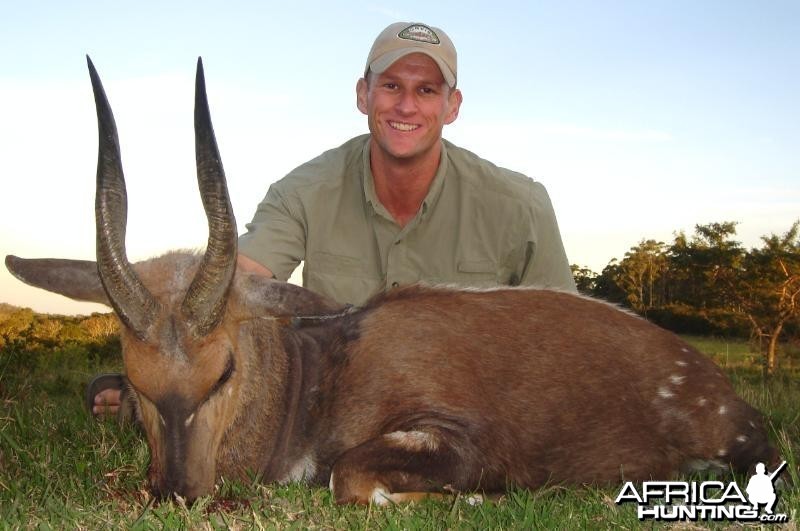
<point>276,237</point>
<point>544,260</point>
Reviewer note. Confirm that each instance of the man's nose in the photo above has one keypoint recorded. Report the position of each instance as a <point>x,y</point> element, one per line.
<point>407,102</point>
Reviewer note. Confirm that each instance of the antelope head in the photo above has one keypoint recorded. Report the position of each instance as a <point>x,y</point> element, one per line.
<point>178,352</point>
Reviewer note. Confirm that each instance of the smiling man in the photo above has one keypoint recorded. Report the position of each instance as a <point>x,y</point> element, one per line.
<point>400,205</point>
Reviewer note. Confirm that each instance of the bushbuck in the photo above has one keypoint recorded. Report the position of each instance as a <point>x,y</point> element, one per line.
<point>422,390</point>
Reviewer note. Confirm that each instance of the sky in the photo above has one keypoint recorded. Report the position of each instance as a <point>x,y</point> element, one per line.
<point>642,118</point>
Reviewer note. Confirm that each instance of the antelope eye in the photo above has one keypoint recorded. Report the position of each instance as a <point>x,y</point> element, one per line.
<point>226,375</point>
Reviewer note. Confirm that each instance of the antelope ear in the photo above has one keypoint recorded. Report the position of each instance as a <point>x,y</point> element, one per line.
<point>259,295</point>
<point>76,279</point>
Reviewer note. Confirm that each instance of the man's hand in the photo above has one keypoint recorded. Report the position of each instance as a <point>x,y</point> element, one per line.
<point>107,402</point>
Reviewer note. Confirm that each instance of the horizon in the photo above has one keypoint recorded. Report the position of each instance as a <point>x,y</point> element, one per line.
<point>642,120</point>
<point>90,308</point>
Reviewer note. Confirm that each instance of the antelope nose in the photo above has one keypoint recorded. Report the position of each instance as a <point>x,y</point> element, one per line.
<point>167,489</point>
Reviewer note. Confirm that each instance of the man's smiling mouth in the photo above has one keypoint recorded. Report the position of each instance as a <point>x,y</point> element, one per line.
<point>400,126</point>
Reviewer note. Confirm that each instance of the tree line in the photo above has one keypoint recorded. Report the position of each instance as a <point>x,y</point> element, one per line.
<point>709,284</point>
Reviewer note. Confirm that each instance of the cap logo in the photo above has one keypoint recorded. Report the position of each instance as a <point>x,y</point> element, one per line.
<point>420,33</point>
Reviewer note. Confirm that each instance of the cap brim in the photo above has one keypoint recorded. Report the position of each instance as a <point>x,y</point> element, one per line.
<point>382,63</point>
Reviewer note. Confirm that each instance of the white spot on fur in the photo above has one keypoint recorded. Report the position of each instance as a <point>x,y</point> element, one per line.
<point>230,391</point>
<point>413,440</point>
<point>379,496</point>
<point>684,349</point>
<point>163,422</point>
<point>189,420</point>
<point>741,438</point>
<point>676,379</point>
<point>330,484</point>
<point>474,499</point>
<point>722,410</point>
<point>722,452</point>
<point>681,363</point>
<point>702,401</point>
<point>752,424</point>
<point>304,469</point>
<point>663,392</point>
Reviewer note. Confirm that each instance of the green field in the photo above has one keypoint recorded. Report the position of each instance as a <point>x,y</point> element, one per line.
<point>61,469</point>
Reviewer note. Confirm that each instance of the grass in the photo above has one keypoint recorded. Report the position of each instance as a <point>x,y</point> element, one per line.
<point>61,469</point>
<point>737,355</point>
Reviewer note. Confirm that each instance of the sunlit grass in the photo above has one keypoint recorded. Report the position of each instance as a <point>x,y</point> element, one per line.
<point>734,354</point>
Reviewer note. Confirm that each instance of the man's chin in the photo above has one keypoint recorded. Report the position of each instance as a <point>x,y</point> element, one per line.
<point>403,151</point>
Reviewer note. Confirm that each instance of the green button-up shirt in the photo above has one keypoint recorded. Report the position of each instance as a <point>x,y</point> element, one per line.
<point>479,225</point>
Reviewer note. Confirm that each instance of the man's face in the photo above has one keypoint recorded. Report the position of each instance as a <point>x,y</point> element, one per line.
<point>407,106</point>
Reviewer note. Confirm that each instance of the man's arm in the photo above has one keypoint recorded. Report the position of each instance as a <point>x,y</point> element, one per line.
<point>275,236</point>
<point>545,260</point>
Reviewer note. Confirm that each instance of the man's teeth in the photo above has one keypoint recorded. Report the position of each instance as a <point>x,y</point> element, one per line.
<point>403,127</point>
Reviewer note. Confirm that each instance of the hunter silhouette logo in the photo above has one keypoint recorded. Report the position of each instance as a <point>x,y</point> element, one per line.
<point>761,487</point>
<point>669,501</point>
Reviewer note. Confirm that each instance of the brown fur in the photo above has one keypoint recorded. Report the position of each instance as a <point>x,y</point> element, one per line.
<point>529,386</point>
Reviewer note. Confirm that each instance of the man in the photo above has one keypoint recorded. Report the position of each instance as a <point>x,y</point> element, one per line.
<point>401,205</point>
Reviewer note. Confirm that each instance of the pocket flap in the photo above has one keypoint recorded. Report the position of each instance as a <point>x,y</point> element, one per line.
<point>476,266</point>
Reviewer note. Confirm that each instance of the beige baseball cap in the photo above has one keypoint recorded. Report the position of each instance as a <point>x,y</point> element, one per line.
<point>402,38</point>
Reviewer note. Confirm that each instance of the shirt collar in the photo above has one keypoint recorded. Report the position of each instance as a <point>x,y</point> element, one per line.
<point>431,198</point>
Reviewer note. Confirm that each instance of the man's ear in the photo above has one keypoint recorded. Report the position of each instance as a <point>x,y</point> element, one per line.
<point>362,91</point>
<point>454,102</point>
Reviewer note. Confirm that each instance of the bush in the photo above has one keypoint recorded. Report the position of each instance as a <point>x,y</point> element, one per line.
<point>685,319</point>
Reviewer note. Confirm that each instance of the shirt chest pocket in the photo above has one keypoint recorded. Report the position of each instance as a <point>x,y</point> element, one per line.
<point>477,273</point>
<point>345,279</point>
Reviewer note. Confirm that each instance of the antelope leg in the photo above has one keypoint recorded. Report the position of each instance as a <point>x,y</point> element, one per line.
<point>403,466</point>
